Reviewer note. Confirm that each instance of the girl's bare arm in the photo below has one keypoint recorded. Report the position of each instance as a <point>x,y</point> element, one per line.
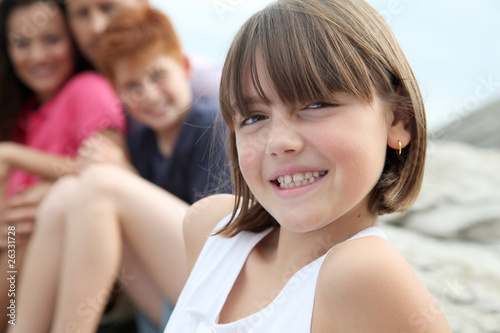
<point>200,220</point>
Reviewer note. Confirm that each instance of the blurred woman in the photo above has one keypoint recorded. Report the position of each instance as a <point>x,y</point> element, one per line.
<point>48,106</point>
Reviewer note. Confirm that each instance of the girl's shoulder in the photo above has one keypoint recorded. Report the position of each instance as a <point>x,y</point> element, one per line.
<point>369,286</point>
<point>200,221</point>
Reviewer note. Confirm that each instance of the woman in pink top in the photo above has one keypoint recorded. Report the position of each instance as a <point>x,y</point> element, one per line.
<point>48,105</point>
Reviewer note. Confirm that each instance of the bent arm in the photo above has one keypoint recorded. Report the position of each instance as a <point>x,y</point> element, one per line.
<point>37,162</point>
<point>46,165</point>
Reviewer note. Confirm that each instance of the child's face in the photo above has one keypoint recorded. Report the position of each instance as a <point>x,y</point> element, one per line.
<point>155,89</point>
<point>41,52</point>
<point>89,18</point>
<point>310,165</point>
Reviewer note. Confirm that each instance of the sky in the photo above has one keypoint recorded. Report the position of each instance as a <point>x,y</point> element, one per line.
<point>453,46</point>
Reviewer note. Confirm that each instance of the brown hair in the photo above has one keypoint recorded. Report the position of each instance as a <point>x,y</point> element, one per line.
<point>135,32</point>
<point>312,49</point>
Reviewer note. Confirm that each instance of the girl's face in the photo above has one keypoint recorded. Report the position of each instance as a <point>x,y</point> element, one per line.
<point>314,164</point>
<point>40,48</point>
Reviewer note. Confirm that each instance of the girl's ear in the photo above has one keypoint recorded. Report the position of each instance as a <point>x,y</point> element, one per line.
<point>399,129</point>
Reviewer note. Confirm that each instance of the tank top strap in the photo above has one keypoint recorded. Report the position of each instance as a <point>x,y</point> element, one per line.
<point>370,231</point>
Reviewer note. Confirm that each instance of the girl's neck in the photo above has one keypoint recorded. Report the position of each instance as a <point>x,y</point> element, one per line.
<point>289,251</point>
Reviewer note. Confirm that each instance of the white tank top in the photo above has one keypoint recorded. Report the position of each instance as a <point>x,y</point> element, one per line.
<point>214,274</point>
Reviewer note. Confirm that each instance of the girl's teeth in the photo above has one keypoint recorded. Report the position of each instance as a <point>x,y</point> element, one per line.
<point>299,179</point>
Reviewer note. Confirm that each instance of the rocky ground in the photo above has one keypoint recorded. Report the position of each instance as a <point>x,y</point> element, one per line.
<point>452,235</point>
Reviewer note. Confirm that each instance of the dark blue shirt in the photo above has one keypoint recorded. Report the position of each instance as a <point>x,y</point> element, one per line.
<point>198,165</point>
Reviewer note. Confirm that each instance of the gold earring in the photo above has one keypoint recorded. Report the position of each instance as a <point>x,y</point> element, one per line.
<point>399,150</point>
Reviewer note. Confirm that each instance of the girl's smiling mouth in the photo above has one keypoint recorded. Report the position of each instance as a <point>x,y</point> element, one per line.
<point>298,179</point>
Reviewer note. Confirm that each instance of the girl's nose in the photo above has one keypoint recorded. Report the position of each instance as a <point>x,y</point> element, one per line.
<point>283,138</point>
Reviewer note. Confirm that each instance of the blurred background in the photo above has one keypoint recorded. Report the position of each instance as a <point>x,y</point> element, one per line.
<point>452,234</point>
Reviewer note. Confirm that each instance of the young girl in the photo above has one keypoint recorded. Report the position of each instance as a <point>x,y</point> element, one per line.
<point>327,132</point>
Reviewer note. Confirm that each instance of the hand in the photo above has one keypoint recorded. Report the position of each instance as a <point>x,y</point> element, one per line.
<point>100,149</point>
<point>20,210</point>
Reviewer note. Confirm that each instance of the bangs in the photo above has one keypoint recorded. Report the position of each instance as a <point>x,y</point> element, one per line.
<point>306,57</point>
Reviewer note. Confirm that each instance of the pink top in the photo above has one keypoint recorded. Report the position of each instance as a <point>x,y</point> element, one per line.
<point>86,104</point>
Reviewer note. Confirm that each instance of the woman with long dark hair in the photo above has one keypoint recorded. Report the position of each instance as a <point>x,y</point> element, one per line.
<point>49,105</point>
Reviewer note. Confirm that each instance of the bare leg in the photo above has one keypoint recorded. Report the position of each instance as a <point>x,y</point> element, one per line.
<point>7,289</point>
<point>91,258</point>
<point>40,272</point>
<point>114,204</point>
<point>140,287</point>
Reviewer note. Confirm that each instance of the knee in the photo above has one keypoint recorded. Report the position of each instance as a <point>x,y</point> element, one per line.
<point>102,180</point>
<point>53,208</point>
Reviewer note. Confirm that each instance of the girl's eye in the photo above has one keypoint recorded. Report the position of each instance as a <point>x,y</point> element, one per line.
<point>253,119</point>
<point>319,105</point>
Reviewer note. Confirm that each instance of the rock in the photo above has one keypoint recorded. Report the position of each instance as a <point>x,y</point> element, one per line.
<point>463,277</point>
<point>460,196</point>
<point>477,128</point>
<point>451,236</point>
